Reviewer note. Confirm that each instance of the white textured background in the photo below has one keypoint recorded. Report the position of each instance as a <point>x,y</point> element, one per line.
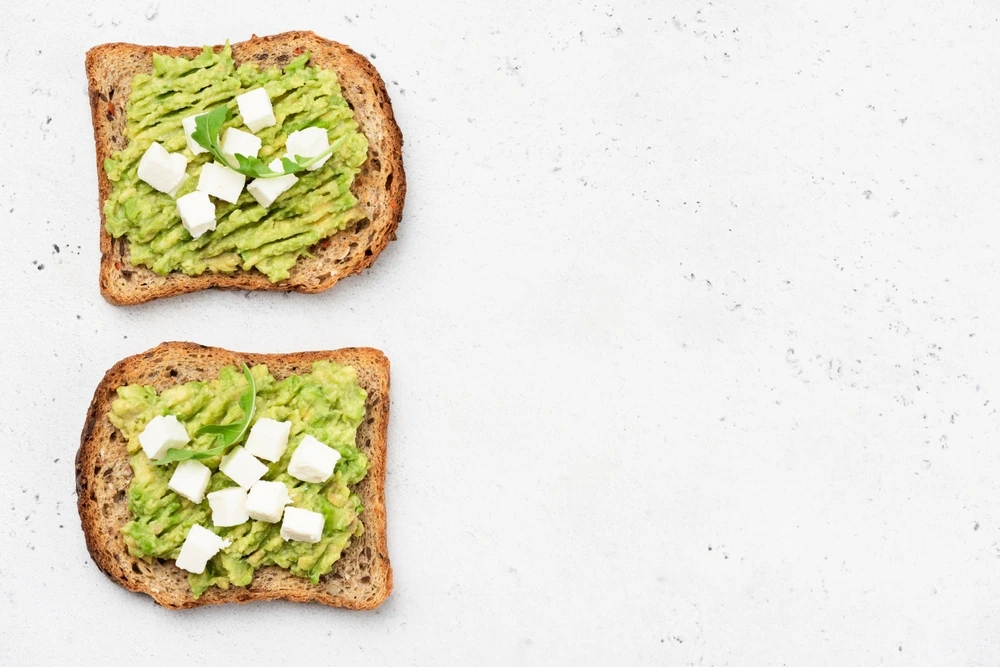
<point>692,319</point>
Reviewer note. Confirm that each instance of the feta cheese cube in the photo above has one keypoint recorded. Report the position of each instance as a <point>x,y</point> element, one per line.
<point>221,182</point>
<point>162,433</point>
<point>241,467</point>
<point>237,141</point>
<point>309,142</point>
<point>302,525</point>
<point>190,479</point>
<point>229,507</point>
<point>161,169</point>
<point>266,190</point>
<point>267,500</point>
<point>256,109</point>
<point>199,545</point>
<point>189,128</point>
<point>197,213</point>
<point>268,439</point>
<point>312,461</point>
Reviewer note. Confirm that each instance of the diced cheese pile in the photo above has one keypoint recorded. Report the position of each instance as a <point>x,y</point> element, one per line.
<point>253,498</point>
<point>166,171</point>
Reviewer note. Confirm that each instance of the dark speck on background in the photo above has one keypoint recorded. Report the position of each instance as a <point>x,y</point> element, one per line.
<point>372,56</point>
<point>55,247</point>
<point>41,266</point>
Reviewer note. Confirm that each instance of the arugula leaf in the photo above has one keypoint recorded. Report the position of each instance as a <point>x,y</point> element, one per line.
<point>229,434</point>
<point>206,134</point>
<point>173,455</point>
<point>206,130</point>
<point>255,167</point>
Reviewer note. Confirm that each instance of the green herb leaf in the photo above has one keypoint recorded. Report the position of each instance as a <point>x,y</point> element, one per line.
<point>174,455</point>
<point>255,167</point>
<point>229,434</point>
<point>207,127</point>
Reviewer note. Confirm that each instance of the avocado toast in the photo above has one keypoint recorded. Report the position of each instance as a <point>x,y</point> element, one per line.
<point>133,525</point>
<point>325,248</point>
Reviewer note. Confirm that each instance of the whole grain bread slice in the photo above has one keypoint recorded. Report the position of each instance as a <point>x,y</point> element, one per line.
<point>361,579</point>
<point>380,187</point>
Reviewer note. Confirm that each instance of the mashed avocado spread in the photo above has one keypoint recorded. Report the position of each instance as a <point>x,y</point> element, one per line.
<point>248,236</point>
<point>326,403</point>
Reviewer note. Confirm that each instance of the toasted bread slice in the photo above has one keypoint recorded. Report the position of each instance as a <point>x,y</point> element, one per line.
<point>361,579</point>
<point>380,187</point>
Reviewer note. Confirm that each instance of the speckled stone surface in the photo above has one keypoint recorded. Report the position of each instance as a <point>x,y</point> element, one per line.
<point>692,320</point>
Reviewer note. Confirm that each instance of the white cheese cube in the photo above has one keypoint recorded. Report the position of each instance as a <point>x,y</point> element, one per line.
<point>162,170</point>
<point>312,461</point>
<point>229,507</point>
<point>302,525</point>
<point>256,109</point>
<point>237,141</point>
<point>189,128</point>
<point>162,433</point>
<point>197,213</point>
<point>221,182</point>
<point>241,467</point>
<point>199,545</point>
<point>190,479</point>
<point>266,501</point>
<point>268,439</point>
<point>266,190</point>
<point>309,142</point>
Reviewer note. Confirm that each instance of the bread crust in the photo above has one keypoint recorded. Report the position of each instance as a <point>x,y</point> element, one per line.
<point>361,579</point>
<point>380,186</point>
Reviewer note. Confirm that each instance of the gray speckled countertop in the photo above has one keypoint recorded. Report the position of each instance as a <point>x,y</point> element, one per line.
<point>692,319</point>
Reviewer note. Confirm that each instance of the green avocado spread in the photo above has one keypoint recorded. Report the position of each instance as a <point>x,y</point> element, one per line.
<point>326,403</point>
<point>247,235</point>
